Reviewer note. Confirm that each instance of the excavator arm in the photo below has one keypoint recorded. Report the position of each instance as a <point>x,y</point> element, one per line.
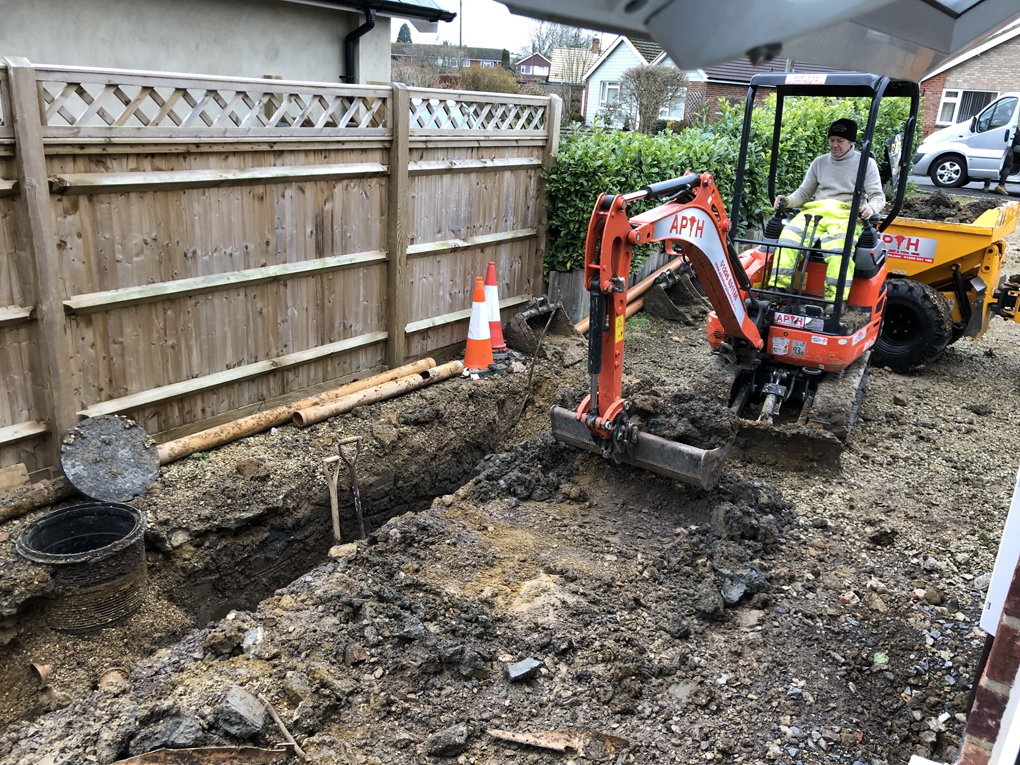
<point>693,219</point>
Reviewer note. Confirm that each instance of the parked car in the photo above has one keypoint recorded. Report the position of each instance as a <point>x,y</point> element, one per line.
<point>970,150</point>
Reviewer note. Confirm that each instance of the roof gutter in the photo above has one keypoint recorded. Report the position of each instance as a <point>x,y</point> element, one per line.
<point>351,45</point>
<point>389,8</point>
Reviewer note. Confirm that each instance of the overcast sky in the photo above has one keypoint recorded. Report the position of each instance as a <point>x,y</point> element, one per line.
<point>487,24</point>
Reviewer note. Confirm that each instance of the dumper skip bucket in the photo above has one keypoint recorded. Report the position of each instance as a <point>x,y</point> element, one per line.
<point>681,462</point>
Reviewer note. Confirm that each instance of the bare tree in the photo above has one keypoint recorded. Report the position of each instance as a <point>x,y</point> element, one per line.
<point>568,68</point>
<point>416,75</point>
<point>645,90</point>
<point>545,36</point>
<point>443,58</point>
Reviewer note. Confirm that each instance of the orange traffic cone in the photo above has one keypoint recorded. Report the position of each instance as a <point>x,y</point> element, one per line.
<point>492,305</point>
<point>478,355</point>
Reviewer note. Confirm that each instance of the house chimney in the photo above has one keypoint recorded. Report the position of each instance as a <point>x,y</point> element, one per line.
<point>595,45</point>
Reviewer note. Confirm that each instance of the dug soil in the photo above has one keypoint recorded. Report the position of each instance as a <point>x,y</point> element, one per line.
<point>944,208</point>
<point>794,614</point>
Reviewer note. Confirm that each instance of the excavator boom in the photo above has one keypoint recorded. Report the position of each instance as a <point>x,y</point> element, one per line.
<point>694,219</point>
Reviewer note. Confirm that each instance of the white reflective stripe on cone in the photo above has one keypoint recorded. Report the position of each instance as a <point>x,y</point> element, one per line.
<point>479,327</point>
<point>492,302</point>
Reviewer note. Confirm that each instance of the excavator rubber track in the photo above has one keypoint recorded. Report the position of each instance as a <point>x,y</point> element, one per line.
<point>820,433</point>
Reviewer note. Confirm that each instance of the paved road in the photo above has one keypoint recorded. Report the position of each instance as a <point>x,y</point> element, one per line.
<point>970,190</point>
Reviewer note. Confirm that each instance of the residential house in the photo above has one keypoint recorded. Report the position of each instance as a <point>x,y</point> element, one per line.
<point>728,80</point>
<point>323,41</point>
<point>602,79</point>
<point>566,73</point>
<point>962,86</point>
<point>568,65</point>
<point>446,57</point>
<point>535,68</point>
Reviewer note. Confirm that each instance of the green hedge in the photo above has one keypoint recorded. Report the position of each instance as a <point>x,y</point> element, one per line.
<point>617,162</point>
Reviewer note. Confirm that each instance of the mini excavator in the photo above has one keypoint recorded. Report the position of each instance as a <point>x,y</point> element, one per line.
<point>772,346</point>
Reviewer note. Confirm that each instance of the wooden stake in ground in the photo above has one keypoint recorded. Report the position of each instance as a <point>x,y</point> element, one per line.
<point>334,504</point>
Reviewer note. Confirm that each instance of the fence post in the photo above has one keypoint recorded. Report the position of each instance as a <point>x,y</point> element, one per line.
<point>398,295</point>
<point>40,243</point>
<point>552,145</point>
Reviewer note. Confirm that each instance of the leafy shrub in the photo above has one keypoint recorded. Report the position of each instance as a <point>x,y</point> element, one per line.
<point>591,163</point>
<point>488,80</point>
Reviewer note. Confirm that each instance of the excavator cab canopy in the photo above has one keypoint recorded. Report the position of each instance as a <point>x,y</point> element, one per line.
<point>832,85</point>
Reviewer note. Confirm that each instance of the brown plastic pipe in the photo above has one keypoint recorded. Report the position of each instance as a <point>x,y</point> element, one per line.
<point>636,291</point>
<point>311,415</point>
<point>256,423</point>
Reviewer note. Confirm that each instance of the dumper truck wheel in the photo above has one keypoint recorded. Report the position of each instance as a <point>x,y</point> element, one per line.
<point>916,327</point>
<point>949,171</point>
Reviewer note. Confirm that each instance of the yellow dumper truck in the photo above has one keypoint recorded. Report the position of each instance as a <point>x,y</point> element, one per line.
<point>946,281</point>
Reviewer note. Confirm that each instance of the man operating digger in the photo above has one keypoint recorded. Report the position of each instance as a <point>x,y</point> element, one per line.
<point>830,180</point>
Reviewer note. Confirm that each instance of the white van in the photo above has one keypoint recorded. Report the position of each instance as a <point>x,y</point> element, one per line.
<point>971,150</point>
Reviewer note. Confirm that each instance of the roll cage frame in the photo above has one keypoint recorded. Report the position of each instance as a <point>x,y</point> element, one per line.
<point>852,85</point>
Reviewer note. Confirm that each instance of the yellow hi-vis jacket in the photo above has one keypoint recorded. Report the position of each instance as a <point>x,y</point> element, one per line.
<point>791,268</point>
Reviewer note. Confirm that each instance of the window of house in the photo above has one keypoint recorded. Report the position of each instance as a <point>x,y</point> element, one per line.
<point>961,105</point>
<point>489,64</point>
<point>679,104</point>
<point>526,69</point>
<point>541,71</point>
<point>609,93</point>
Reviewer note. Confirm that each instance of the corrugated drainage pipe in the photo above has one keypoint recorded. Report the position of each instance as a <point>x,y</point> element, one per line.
<point>97,555</point>
<point>351,45</point>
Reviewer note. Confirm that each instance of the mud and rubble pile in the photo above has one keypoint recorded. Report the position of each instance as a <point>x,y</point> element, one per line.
<point>940,206</point>
<point>388,650</point>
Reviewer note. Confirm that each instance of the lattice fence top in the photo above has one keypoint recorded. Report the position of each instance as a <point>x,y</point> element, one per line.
<point>103,102</point>
<point>449,110</point>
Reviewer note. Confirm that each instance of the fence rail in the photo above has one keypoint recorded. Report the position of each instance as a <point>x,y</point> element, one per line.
<point>174,247</point>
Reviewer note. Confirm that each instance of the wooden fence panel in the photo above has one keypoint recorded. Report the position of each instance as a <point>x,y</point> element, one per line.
<point>484,206</point>
<point>223,242</point>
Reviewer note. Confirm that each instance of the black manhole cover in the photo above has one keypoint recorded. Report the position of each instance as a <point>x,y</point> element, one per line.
<point>109,458</point>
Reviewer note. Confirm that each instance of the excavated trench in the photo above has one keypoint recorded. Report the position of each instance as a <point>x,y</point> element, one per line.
<point>227,528</point>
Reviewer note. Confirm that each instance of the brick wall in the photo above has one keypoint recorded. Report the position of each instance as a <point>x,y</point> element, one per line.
<point>931,94</point>
<point>699,93</point>
<point>995,69</point>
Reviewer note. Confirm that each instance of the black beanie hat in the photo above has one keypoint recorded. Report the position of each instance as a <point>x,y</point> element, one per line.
<point>844,129</point>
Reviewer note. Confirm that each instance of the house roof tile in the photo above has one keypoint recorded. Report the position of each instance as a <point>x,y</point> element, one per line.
<point>646,48</point>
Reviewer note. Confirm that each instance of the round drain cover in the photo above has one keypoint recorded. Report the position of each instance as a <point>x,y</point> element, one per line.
<point>109,458</point>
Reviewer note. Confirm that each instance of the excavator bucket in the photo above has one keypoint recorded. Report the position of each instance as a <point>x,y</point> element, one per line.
<point>677,296</point>
<point>681,462</point>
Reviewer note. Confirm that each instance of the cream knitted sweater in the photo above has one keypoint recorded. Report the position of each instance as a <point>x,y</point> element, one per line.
<point>831,178</point>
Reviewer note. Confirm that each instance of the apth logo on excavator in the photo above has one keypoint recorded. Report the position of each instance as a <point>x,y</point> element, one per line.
<point>690,224</point>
